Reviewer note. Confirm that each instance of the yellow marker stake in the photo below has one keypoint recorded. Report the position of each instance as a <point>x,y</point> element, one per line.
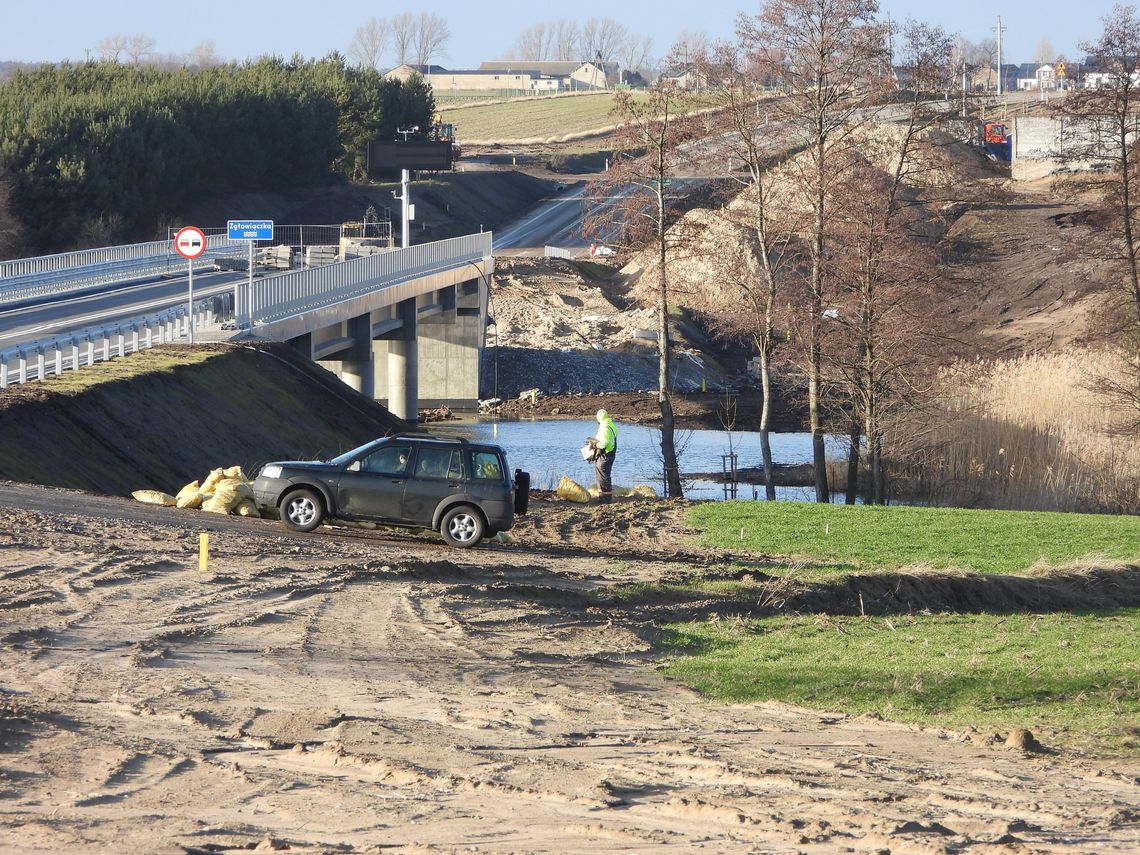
<point>203,552</point>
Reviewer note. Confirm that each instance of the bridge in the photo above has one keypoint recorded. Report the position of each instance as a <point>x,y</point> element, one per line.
<point>403,326</point>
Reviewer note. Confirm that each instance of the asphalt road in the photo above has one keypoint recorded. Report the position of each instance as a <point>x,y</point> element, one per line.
<point>59,315</point>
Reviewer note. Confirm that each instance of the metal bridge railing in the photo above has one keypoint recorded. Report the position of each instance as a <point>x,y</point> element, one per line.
<point>71,351</point>
<point>289,294</point>
<point>46,275</point>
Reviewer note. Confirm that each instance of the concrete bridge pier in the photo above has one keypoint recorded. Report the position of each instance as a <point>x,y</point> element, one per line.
<point>403,362</point>
<point>357,365</point>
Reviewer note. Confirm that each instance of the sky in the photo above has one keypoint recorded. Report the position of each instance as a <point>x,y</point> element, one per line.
<point>480,29</point>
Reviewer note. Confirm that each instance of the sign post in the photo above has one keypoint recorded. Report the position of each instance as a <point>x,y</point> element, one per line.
<point>248,230</point>
<point>190,243</point>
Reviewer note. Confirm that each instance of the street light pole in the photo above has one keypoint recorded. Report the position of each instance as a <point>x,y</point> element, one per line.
<point>999,29</point>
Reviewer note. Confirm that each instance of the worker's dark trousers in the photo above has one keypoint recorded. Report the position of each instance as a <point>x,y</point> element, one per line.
<point>604,465</point>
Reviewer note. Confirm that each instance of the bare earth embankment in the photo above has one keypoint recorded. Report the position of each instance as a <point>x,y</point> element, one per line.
<point>348,692</point>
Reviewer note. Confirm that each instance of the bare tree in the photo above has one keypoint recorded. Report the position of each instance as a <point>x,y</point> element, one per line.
<point>534,43</point>
<point>110,48</point>
<point>138,47</point>
<point>202,55</point>
<point>689,46</point>
<point>1044,51</point>
<point>601,39</point>
<point>635,53</point>
<point>1110,118</point>
<point>752,275</point>
<point>432,35</point>
<point>403,36</point>
<point>640,209</point>
<point>831,55</point>
<point>369,42</point>
<point>565,41</point>
<point>887,270</point>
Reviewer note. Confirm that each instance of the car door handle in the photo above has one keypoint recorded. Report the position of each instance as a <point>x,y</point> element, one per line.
<point>454,486</point>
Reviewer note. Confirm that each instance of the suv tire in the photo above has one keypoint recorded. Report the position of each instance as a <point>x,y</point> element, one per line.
<point>302,510</point>
<point>462,526</point>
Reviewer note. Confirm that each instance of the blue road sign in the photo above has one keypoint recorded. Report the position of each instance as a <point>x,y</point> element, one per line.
<point>250,229</point>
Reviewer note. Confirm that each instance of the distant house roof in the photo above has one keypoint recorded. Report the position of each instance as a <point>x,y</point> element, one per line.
<point>552,69</point>
<point>407,70</point>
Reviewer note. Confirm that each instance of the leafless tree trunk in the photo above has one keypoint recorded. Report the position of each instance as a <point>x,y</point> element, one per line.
<point>635,52</point>
<point>203,55</point>
<point>533,43</point>
<point>566,41</point>
<point>111,48</point>
<point>602,38</point>
<point>403,36</point>
<point>369,42</point>
<point>638,210</point>
<point>1108,119</point>
<point>432,35</point>
<point>138,47</point>
<point>830,55</point>
<point>730,72</point>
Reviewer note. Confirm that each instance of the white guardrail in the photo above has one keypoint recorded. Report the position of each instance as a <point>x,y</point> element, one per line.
<point>47,275</point>
<point>72,351</point>
<point>273,298</point>
<point>289,294</point>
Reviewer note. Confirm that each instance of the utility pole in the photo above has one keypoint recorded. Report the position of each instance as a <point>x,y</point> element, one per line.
<point>999,29</point>
<point>405,196</point>
<point>963,89</point>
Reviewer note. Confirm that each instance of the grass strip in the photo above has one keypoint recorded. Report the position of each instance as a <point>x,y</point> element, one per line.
<point>1072,677</point>
<point>859,538</point>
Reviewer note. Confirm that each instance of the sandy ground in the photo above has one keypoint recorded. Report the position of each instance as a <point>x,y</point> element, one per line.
<point>353,692</point>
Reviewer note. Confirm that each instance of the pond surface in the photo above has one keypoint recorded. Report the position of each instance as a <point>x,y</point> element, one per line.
<point>549,449</point>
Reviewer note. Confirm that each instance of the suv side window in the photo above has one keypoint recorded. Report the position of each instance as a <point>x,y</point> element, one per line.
<point>488,467</point>
<point>439,463</point>
<point>387,460</point>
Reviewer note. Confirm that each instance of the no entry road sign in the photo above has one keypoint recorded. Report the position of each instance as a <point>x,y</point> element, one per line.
<point>190,242</point>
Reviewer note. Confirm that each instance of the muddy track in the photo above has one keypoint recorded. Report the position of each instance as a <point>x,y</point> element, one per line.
<point>352,692</point>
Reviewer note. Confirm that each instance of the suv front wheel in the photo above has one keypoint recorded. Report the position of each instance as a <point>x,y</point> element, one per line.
<point>462,526</point>
<point>302,510</point>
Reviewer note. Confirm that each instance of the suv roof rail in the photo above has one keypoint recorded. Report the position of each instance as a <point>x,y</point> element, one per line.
<point>421,435</point>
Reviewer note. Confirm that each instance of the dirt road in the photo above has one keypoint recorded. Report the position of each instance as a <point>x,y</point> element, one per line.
<point>348,692</point>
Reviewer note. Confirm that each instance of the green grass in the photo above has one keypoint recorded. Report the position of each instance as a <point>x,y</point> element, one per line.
<point>1074,678</point>
<point>533,118</point>
<point>862,538</point>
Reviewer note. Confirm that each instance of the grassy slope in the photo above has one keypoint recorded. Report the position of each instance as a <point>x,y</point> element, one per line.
<point>1024,655</point>
<point>861,537</point>
<point>532,118</point>
<point>161,418</point>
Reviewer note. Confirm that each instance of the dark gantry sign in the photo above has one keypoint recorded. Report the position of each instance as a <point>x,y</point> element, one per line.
<point>410,154</point>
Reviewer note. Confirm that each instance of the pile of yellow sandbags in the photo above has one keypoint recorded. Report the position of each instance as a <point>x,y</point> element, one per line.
<point>225,491</point>
<point>575,492</point>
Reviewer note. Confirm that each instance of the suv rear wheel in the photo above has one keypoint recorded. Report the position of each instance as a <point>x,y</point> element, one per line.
<point>302,510</point>
<point>462,526</point>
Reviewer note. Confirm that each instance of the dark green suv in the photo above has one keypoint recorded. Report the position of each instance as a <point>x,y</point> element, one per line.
<point>459,488</point>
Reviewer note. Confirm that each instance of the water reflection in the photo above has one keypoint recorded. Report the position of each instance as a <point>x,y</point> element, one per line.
<point>548,449</point>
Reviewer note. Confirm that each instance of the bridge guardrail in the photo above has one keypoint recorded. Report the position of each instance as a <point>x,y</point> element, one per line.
<point>289,294</point>
<point>29,278</point>
<point>74,350</point>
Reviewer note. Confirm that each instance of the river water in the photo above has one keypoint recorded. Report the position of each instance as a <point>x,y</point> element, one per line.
<point>549,449</point>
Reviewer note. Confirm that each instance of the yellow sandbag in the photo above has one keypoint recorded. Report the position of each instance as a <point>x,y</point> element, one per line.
<point>189,496</point>
<point>234,472</point>
<point>247,507</point>
<point>568,489</point>
<point>212,480</point>
<point>153,497</point>
<point>230,491</point>
<point>643,491</point>
<point>215,506</point>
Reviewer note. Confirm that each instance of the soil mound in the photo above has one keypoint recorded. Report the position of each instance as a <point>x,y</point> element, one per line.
<point>161,417</point>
